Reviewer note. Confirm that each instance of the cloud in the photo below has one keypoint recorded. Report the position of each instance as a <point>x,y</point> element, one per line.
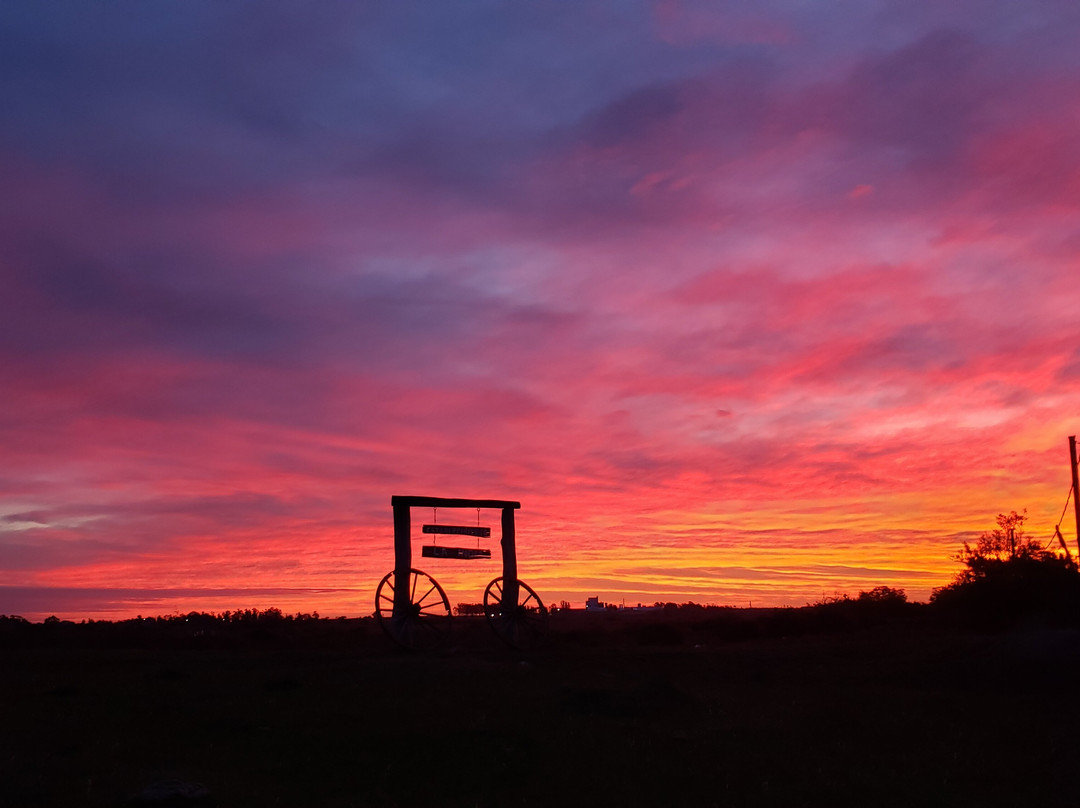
<point>259,272</point>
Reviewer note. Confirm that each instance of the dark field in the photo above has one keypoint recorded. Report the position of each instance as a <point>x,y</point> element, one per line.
<point>613,710</point>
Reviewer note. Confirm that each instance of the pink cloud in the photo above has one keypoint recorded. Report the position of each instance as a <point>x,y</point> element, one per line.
<point>714,271</point>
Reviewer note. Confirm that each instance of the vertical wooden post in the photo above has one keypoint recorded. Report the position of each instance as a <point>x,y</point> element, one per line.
<point>509,554</point>
<point>402,559</point>
<point>1076,486</point>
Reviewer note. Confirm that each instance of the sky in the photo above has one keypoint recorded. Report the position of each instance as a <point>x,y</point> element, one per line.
<point>745,302</point>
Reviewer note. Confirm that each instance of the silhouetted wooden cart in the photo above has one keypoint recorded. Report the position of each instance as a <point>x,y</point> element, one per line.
<point>412,607</point>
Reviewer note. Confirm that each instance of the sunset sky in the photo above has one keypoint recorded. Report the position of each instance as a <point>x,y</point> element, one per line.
<point>744,302</point>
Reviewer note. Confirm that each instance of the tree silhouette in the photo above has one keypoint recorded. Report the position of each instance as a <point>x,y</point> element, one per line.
<point>1009,576</point>
<point>883,594</point>
<point>1006,542</point>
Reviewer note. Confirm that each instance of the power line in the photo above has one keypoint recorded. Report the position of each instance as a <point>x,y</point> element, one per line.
<point>1067,498</point>
<point>1057,527</point>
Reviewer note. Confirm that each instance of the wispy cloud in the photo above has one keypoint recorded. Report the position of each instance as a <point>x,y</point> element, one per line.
<point>659,270</point>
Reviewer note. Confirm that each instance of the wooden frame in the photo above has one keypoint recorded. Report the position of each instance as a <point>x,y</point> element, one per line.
<point>414,610</point>
<point>403,540</point>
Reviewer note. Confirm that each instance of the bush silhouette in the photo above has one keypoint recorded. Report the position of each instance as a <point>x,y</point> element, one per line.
<point>1008,578</point>
<point>883,594</point>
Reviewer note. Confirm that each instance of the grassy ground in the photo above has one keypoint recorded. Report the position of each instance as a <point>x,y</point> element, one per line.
<point>609,712</point>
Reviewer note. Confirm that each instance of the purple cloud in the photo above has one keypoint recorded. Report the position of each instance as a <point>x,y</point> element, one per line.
<point>261,269</point>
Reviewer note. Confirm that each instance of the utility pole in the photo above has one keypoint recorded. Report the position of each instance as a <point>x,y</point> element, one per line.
<point>1076,486</point>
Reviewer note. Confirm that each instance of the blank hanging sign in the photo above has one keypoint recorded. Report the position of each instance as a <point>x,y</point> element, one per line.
<point>459,530</point>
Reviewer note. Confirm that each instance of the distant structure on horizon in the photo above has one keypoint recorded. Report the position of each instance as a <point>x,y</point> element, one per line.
<point>597,605</point>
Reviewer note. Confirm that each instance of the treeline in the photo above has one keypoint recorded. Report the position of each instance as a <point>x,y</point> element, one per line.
<point>243,616</point>
<point>201,629</point>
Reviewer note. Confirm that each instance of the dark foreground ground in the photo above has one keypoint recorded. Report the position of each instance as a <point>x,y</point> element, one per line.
<point>614,710</point>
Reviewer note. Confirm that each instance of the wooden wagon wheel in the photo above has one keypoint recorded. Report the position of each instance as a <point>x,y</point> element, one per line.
<point>426,624</point>
<point>521,624</point>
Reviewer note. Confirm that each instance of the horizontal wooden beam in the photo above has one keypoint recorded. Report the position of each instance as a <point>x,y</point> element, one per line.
<point>450,502</point>
<point>459,530</point>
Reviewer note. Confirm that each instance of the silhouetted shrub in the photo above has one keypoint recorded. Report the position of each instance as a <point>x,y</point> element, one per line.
<point>883,594</point>
<point>1002,592</point>
<point>1008,578</point>
<point>880,606</point>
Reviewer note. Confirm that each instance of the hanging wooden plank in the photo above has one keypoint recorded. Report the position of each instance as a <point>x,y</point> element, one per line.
<point>459,530</point>
<point>464,553</point>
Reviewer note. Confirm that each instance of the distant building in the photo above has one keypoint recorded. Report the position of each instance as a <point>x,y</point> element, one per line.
<point>597,605</point>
